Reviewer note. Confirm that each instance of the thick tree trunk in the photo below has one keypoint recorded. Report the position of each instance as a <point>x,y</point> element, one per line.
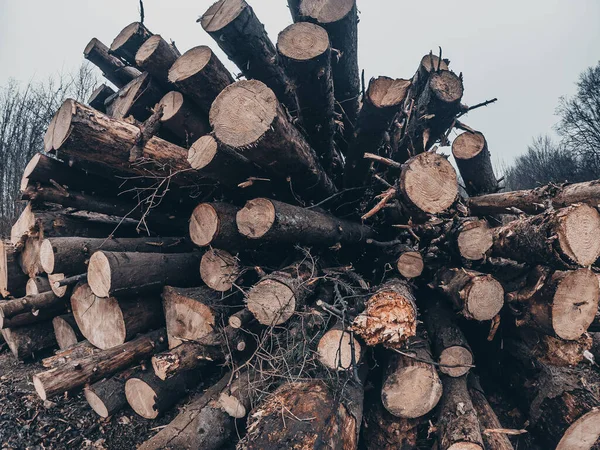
<point>247,117</point>
<point>561,304</point>
<point>156,56</point>
<point>129,40</point>
<point>99,365</point>
<point>306,54</point>
<point>450,346</point>
<point>201,76</point>
<point>25,341</point>
<point>458,426</point>
<point>66,331</point>
<point>384,431</point>
<point>70,255</point>
<point>474,163</point>
<point>107,397</point>
<point>277,296</point>
<point>80,350</point>
<point>403,373</point>
<point>108,322</point>
<point>213,224</point>
<point>33,306</point>
<point>136,99</point>
<point>205,423</point>
<point>474,295</point>
<point>113,68</point>
<point>236,29</point>
<point>564,239</point>
<point>37,285</point>
<point>381,103</point>
<point>183,119</point>
<point>12,278</point>
<point>276,222</point>
<point>120,273</point>
<point>98,98</point>
<point>338,349</point>
<point>219,269</point>
<point>390,315</point>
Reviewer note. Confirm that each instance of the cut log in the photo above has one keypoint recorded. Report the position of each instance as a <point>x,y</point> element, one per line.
<point>241,318</point>
<point>37,285</point>
<point>201,76</point>
<point>450,346</point>
<point>276,222</point>
<point>108,322</point>
<point>336,348</point>
<point>66,331</point>
<point>35,304</point>
<point>384,431</point>
<point>381,103</point>
<point>335,422</point>
<point>12,278</point>
<point>458,426</point>
<point>107,396</point>
<point>119,273</point>
<point>213,224</point>
<point>236,29</point>
<point>156,56</point>
<point>183,119</point>
<point>112,67</point>
<point>70,255</point>
<point>150,397</point>
<point>340,20</point>
<point>26,341</point>
<point>62,288</point>
<point>564,239</point>
<point>129,40</point>
<point>474,239</point>
<point>474,295</point>
<point>98,98</point>
<point>411,388</point>
<point>537,200</point>
<point>80,350</point>
<point>247,117</point>
<point>488,421</point>
<point>390,315</point>
<point>410,264</point>
<point>560,303</point>
<point>276,297</point>
<point>95,367</point>
<point>186,356</point>
<point>474,163</point>
<point>219,269</point>
<point>29,258</point>
<point>136,99</point>
<point>205,423</point>
<point>306,54</point>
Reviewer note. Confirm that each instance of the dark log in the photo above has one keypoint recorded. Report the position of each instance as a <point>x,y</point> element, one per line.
<point>183,119</point>
<point>107,397</point>
<point>37,285</point>
<point>108,322</point>
<point>470,151</point>
<point>113,68</point>
<point>595,349</point>
<point>156,56</point>
<point>458,425</point>
<point>12,278</point>
<point>66,331</point>
<point>136,99</point>
<point>213,224</point>
<point>236,29</point>
<point>201,76</point>
<point>384,431</point>
<point>129,40</point>
<point>111,273</point>
<point>35,304</point>
<point>219,269</point>
<point>474,295</point>
<point>80,350</point>
<point>25,341</point>
<point>247,117</point>
<point>338,349</point>
<point>98,98</point>
<point>186,356</point>
<point>97,366</point>
<point>390,315</point>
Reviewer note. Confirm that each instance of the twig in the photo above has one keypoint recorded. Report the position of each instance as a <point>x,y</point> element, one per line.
<point>71,280</point>
<point>385,197</point>
<point>382,160</point>
<point>141,12</point>
<point>478,105</point>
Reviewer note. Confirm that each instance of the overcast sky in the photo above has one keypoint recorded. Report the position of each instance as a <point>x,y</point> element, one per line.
<point>525,52</point>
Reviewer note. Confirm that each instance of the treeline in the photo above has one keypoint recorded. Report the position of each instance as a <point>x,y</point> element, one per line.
<point>575,156</point>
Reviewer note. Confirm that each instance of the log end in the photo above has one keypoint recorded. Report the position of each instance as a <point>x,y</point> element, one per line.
<point>64,333</point>
<point>578,234</point>
<point>303,41</point>
<point>412,391</point>
<point>190,63</point>
<point>327,11</point>
<point>583,433</point>
<point>96,402</point>
<point>62,124</point>
<point>468,145</point>
<point>474,240</point>
<point>147,49</point>
<point>55,278</point>
<point>385,92</point>
<point>219,270</point>
<point>484,298</point>
<point>221,14</point>
<point>232,406</point>
<point>429,62</point>
<point>141,397</point>
<point>256,218</point>
<point>271,302</point>
<point>165,365</point>
<point>29,168</point>
<point>39,387</point>
<point>124,35</point>
<point>204,224</point>
<point>94,42</point>
<point>335,350</point>
<point>99,274</point>
<point>171,103</point>
<point>410,264</point>
<point>447,86</point>
<point>47,256</point>
<point>457,356</point>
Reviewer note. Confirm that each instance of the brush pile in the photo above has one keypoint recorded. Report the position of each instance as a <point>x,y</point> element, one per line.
<point>305,238</point>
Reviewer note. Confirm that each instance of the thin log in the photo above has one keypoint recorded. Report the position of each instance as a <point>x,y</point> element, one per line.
<point>219,269</point>
<point>240,319</point>
<point>107,396</point>
<point>66,331</point>
<point>410,264</point>
<point>213,224</point>
<point>129,40</point>
<point>470,151</point>
<point>98,98</point>
<point>136,99</point>
<point>25,341</point>
<point>156,56</point>
<point>60,287</point>
<point>186,356</point>
<point>183,118</point>
<point>112,67</point>
<point>35,304</point>
<point>338,349</point>
<point>80,350</point>
<point>37,285</point>
<point>12,278</point>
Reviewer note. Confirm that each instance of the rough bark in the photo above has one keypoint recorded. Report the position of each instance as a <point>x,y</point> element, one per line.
<point>66,331</point>
<point>247,117</point>
<point>33,305</point>
<point>80,350</point>
<point>474,295</point>
<point>37,285</point>
<point>97,366</point>
<point>107,396</point>
<point>112,67</point>
<point>595,349</point>
<point>186,356</point>
<point>183,118</point>
<point>12,278</point>
<point>219,269</point>
<point>156,56</point>
<point>384,431</point>
<point>120,273</point>
<point>474,163</point>
<point>136,99</point>
<point>236,29</point>
<point>108,322</point>
<point>129,40</point>
<point>99,96</point>
<point>25,341</point>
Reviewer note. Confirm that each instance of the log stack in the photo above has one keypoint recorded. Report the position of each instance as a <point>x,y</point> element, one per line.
<point>301,243</point>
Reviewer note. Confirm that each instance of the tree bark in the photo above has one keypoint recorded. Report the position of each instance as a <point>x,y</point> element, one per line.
<point>37,285</point>
<point>120,273</point>
<point>156,56</point>
<point>247,117</point>
<point>183,119</point>
<point>98,98</point>
<point>236,29</point>
<point>201,76</point>
<point>474,295</point>
<point>390,315</point>
<point>33,305</point>
<point>108,322</point>
<point>458,425</point>
<point>112,67</point>
<point>470,151</point>
<point>107,396</point>
<point>241,318</point>
<point>25,341</point>
<point>137,99</point>
<point>129,40</point>
<point>95,367</point>
<point>66,331</point>
<point>80,350</point>
<point>384,431</point>
<point>186,356</point>
<point>219,269</point>
<point>12,278</point>
<point>595,349</point>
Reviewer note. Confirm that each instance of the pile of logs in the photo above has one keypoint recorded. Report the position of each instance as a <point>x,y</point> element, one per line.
<point>301,239</point>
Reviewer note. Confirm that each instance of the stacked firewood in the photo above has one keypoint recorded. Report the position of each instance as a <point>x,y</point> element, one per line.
<point>317,247</point>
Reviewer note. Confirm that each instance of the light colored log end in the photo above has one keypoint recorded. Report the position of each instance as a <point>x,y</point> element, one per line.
<point>204,224</point>
<point>256,218</point>
<point>219,269</point>
<point>271,302</point>
<point>457,356</point>
<point>578,234</point>
<point>221,14</point>
<point>483,298</point>
<point>303,41</point>
<point>410,264</point>
<point>335,350</point>
<point>583,433</point>
<point>190,63</point>
<point>99,274</point>
<point>141,397</point>
<point>468,145</point>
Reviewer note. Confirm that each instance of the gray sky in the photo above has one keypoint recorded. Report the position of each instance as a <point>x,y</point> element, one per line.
<point>527,52</point>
